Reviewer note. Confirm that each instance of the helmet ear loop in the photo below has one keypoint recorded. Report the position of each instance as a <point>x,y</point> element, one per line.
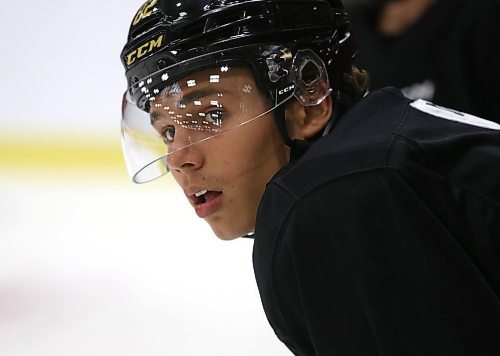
<point>312,86</point>
<point>310,78</point>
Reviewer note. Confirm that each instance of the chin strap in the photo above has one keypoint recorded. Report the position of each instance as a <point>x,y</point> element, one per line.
<point>297,147</point>
<point>279,118</point>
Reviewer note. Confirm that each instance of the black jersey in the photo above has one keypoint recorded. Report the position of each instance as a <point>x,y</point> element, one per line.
<point>384,237</point>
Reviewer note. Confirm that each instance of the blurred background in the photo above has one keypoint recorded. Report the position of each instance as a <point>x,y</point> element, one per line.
<point>444,51</point>
<point>91,264</point>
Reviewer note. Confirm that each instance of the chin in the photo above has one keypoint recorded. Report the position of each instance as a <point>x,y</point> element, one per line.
<point>228,237</point>
<point>227,234</point>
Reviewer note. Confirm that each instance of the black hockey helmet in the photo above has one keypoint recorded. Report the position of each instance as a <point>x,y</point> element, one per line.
<point>293,47</point>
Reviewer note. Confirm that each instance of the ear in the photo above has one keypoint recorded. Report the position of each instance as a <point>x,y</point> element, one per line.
<point>304,122</point>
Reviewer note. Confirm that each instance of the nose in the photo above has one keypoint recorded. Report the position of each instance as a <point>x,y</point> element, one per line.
<point>188,158</point>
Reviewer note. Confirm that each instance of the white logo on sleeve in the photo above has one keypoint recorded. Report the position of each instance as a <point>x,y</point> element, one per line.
<point>453,115</point>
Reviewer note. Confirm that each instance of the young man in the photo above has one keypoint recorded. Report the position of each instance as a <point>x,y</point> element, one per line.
<point>376,220</point>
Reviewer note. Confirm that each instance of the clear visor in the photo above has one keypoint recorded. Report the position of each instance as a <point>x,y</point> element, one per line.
<point>192,111</point>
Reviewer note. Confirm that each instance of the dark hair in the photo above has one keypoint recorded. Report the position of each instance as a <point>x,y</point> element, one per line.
<point>355,86</point>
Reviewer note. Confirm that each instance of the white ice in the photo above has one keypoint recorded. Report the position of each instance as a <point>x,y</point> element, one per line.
<point>96,266</point>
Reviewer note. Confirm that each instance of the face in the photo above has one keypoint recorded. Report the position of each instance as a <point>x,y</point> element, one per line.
<point>223,162</point>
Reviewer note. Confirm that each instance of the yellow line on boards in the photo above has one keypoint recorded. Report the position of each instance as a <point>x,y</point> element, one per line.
<point>26,155</point>
<point>60,151</point>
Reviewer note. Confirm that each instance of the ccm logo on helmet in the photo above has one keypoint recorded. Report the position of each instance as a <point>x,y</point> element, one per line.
<point>144,11</point>
<point>144,49</point>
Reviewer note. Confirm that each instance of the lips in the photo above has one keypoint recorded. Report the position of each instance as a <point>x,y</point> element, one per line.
<point>205,202</point>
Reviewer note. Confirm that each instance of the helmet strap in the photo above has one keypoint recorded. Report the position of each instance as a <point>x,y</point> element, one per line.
<point>297,147</point>
<point>279,119</point>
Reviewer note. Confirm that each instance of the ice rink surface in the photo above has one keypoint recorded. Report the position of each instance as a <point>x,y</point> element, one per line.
<point>91,264</point>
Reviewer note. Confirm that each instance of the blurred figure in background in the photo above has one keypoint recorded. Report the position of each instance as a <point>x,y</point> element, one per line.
<point>445,51</point>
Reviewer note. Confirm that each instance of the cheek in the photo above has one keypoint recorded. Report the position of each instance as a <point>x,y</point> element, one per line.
<point>254,157</point>
<point>259,142</point>
<point>244,162</point>
<point>177,177</point>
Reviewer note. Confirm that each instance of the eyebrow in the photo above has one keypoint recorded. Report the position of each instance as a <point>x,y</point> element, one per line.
<point>189,97</point>
<point>199,93</point>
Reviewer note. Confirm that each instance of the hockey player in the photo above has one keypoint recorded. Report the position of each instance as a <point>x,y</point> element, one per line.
<point>376,220</point>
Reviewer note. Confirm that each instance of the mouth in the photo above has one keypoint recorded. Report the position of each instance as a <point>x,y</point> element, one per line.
<point>205,202</point>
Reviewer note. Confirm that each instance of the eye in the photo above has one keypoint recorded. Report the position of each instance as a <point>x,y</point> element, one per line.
<point>214,117</point>
<point>168,134</point>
